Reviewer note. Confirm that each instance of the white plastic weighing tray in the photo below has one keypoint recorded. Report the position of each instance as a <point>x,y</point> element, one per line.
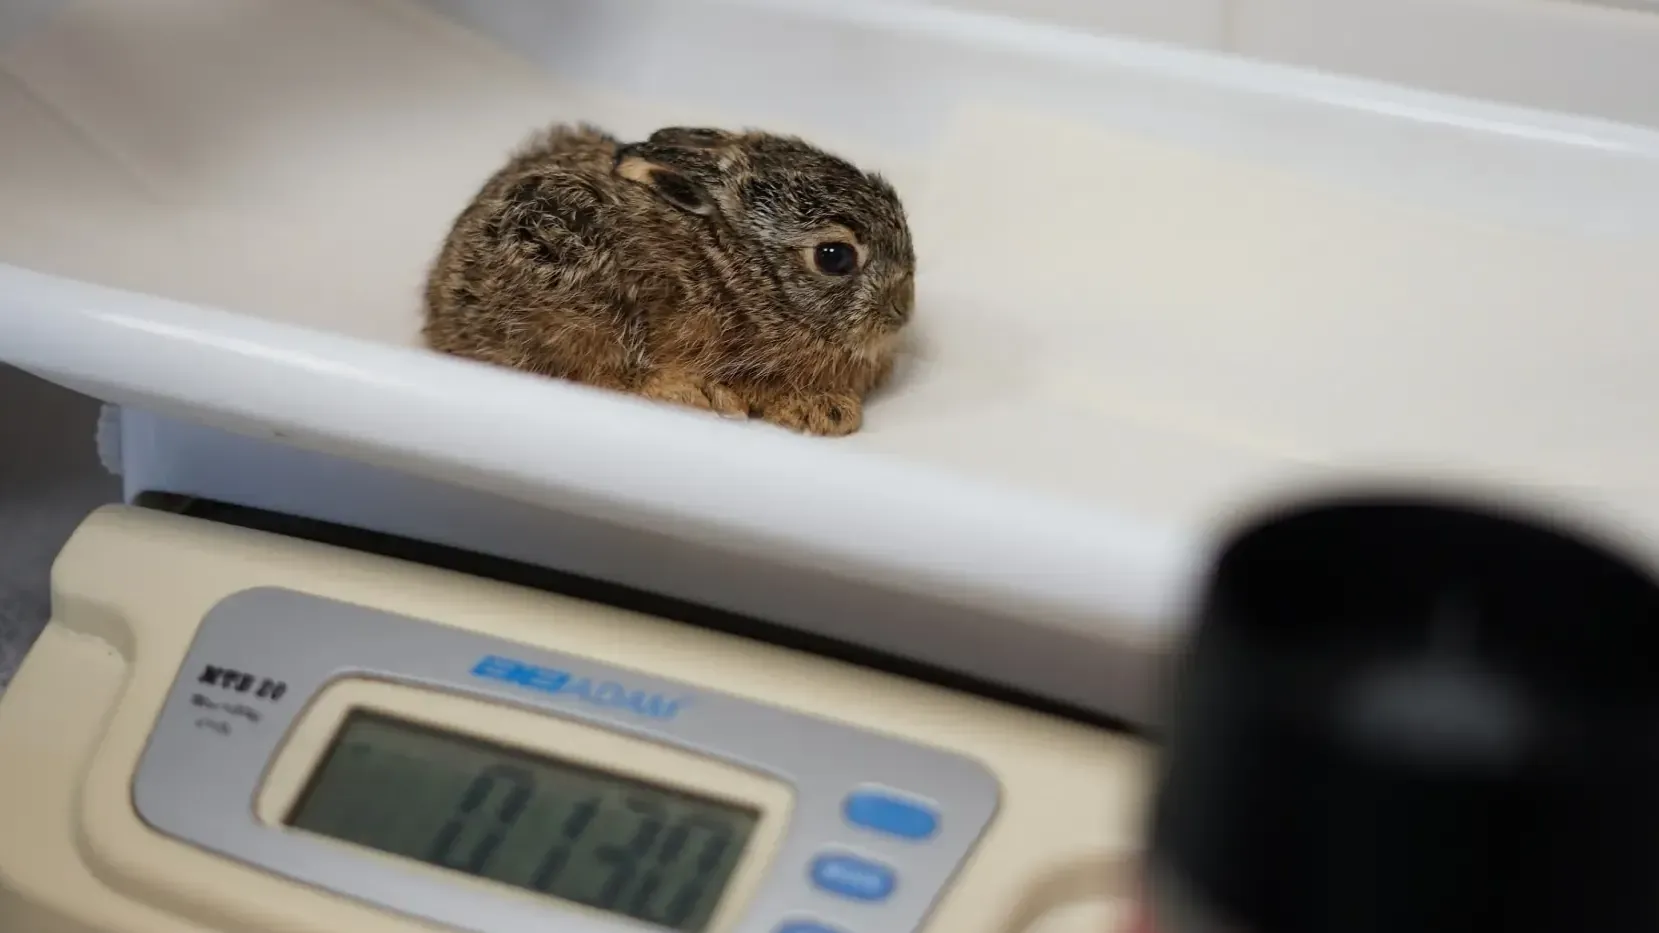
<point>1154,286</point>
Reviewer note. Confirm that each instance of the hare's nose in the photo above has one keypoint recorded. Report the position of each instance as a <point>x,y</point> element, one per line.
<point>905,296</point>
<point>900,300</point>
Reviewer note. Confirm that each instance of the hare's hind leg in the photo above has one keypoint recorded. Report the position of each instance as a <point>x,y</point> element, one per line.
<point>588,352</point>
<point>684,387</point>
<point>681,357</point>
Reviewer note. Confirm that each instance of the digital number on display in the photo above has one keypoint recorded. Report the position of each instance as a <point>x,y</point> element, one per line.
<point>562,830</point>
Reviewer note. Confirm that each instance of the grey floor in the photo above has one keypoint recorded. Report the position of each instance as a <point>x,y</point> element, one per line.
<point>50,478</point>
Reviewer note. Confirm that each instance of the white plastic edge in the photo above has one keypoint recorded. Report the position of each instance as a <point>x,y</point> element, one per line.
<point>760,492</point>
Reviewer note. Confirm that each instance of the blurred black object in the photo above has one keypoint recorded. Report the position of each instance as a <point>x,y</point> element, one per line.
<point>1401,716</point>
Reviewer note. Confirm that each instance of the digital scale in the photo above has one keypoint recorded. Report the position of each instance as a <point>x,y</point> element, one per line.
<point>226,729</point>
<point>385,642</point>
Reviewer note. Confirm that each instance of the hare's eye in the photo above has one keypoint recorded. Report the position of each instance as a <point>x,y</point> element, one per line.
<point>835,258</point>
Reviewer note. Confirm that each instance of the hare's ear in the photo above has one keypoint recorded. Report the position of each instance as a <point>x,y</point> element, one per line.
<point>691,137</point>
<point>671,185</point>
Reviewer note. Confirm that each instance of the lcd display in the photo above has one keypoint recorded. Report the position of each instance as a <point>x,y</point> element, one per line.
<point>562,830</point>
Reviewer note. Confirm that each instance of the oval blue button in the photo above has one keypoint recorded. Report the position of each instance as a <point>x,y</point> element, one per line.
<point>891,815</point>
<point>850,876</point>
<point>804,926</point>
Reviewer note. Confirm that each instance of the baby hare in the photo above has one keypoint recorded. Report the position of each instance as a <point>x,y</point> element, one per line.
<point>744,272</point>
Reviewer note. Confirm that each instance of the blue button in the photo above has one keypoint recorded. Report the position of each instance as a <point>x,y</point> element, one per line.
<point>853,877</point>
<point>804,926</point>
<point>885,813</point>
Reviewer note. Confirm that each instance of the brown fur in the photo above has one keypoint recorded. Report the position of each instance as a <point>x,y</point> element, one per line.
<point>681,268</point>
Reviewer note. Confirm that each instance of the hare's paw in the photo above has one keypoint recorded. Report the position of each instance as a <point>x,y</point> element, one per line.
<point>824,415</point>
<point>695,392</point>
<point>728,401</point>
<point>676,389</point>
